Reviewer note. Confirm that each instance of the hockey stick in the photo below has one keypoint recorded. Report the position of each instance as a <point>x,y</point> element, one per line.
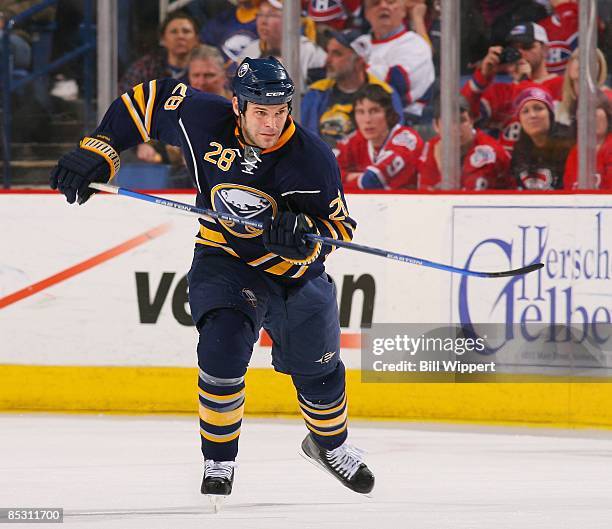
<point>318,238</point>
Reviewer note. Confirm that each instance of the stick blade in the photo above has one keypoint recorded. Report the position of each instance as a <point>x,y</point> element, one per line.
<point>517,272</point>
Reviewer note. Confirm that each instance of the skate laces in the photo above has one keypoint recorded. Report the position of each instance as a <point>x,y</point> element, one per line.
<point>219,469</point>
<point>346,459</point>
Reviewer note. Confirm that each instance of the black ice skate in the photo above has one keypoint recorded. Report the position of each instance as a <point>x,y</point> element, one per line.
<point>218,480</point>
<point>345,463</point>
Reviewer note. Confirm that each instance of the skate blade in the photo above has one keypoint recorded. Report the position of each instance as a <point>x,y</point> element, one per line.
<point>323,469</point>
<point>217,501</point>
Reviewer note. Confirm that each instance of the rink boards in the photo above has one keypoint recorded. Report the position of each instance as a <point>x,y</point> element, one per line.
<point>94,313</point>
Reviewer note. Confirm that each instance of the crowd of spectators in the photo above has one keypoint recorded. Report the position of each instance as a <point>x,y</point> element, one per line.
<point>370,84</point>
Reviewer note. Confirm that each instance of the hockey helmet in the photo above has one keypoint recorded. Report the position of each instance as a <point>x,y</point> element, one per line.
<point>264,81</point>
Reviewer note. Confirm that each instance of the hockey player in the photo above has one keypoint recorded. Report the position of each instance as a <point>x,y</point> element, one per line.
<point>249,158</point>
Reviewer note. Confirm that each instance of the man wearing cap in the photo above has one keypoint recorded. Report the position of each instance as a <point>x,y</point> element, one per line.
<point>490,101</point>
<point>484,162</point>
<point>270,31</point>
<point>327,106</point>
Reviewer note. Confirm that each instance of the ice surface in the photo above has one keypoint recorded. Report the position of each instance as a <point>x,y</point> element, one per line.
<point>145,472</point>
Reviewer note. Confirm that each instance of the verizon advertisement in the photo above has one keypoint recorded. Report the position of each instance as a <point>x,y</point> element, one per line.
<point>105,283</point>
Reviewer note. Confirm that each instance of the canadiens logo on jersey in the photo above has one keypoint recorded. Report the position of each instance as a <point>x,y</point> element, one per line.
<point>558,55</point>
<point>242,201</point>
<point>323,10</point>
<point>540,178</point>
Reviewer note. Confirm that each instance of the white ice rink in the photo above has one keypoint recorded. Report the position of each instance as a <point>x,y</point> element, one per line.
<point>144,472</point>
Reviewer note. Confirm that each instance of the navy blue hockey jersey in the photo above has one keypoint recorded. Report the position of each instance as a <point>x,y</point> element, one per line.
<point>299,173</point>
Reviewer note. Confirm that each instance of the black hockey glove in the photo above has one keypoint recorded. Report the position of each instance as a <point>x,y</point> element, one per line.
<point>95,160</point>
<point>284,236</point>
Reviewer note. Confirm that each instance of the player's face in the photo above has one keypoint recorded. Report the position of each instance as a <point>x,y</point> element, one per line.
<point>269,23</point>
<point>534,118</point>
<point>371,121</point>
<point>385,15</point>
<point>206,75</point>
<point>262,125</point>
<point>340,60</point>
<point>180,37</point>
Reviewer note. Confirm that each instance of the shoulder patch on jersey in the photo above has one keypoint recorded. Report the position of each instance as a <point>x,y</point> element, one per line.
<point>242,201</point>
<point>482,155</point>
<point>405,138</point>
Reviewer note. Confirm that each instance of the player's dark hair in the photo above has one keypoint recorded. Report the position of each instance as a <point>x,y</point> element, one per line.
<point>175,15</point>
<point>377,94</point>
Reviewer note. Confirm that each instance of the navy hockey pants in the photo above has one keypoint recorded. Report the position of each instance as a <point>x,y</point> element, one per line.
<point>230,303</point>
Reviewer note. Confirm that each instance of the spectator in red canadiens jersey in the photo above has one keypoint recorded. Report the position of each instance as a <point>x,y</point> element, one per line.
<point>381,153</point>
<point>603,179</point>
<point>538,161</point>
<point>492,101</point>
<point>400,57</point>
<point>562,30</point>
<point>485,164</point>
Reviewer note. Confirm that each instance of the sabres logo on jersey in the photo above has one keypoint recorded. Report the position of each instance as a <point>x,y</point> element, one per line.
<point>242,201</point>
<point>235,44</point>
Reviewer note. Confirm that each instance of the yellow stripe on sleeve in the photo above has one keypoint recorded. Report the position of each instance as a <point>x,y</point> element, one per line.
<point>135,118</point>
<point>212,235</point>
<point>332,231</point>
<point>150,105</point>
<point>215,245</point>
<point>345,236</point>
<point>139,97</point>
<point>262,259</point>
<point>300,272</point>
<point>280,268</point>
